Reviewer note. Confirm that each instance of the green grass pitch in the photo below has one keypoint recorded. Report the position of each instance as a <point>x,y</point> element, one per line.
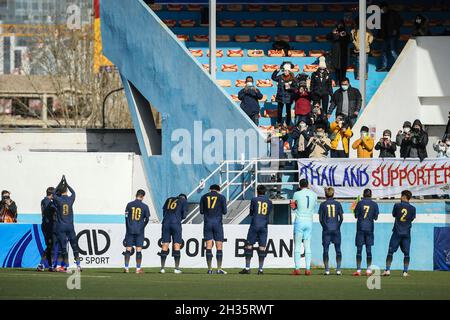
<point>196,284</point>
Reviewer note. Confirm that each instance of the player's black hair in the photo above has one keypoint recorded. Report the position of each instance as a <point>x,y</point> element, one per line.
<point>261,190</point>
<point>407,194</point>
<point>50,191</point>
<point>329,192</point>
<point>367,193</point>
<point>249,77</point>
<point>214,187</point>
<point>140,193</point>
<point>63,189</point>
<point>4,192</point>
<point>182,195</point>
<point>303,184</point>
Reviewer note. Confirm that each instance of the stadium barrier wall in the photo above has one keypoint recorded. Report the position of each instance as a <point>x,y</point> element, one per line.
<point>102,246</point>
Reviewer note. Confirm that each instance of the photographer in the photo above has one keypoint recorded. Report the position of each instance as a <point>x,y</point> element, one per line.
<point>250,97</point>
<point>442,147</point>
<point>365,144</point>
<point>340,137</point>
<point>285,91</point>
<point>318,118</point>
<point>413,141</point>
<point>301,136</point>
<point>386,146</point>
<point>340,41</point>
<point>321,86</point>
<point>319,144</point>
<point>403,139</point>
<point>8,208</point>
<point>346,100</point>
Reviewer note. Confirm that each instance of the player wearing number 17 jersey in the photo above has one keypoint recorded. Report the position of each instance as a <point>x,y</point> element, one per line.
<point>304,202</point>
<point>404,214</point>
<point>137,215</point>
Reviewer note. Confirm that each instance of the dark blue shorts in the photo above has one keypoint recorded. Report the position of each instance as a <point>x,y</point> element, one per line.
<point>134,240</point>
<point>64,233</point>
<point>213,231</point>
<point>402,241</point>
<point>171,231</point>
<point>257,234</point>
<point>331,237</point>
<point>364,238</point>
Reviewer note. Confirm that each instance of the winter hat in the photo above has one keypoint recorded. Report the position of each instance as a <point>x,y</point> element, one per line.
<point>417,123</point>
<point>406,124</point>
<point>322,63</point>
<point>387,133</point>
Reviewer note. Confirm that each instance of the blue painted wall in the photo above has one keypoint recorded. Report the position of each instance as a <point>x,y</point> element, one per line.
<point>149,56</point>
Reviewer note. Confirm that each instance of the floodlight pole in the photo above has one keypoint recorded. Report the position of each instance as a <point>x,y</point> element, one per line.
<point>362,51</point>
<point>212,38</point>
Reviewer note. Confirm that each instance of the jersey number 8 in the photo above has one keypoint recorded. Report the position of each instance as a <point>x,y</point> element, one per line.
<point>136,214</point>
<point>65,209</point>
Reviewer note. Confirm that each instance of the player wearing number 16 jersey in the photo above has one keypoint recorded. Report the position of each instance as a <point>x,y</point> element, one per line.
<point>404,214</point>
<point>260,209</point>
<point>137,215</point>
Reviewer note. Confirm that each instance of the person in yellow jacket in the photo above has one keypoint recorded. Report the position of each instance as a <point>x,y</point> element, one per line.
<point>340,137</point>
<point>355,40</point>
<point>365,144</point>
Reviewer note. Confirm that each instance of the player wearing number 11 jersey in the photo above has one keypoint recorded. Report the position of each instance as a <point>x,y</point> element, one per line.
<point>137,216</point>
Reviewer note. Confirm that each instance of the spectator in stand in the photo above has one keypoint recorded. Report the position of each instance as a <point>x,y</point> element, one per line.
<point>285,91</point>
<point>321,86</point>
<point>282,45</point>
<point>447,129</point>
<point>8,208</point>
<point>302,103</point>
<point>364,145</point>
<point>386,146</point>
<point>340,137</point>
<point>442,147</point>
<point>346,100</point>
<point>250,96</point>
<point>340,41</point>
<point>421,27</point>
<point>300,136</point>
<point>368,42</point>
<point>391,21</point>
<point>318,118</point>
<point>319,145</point>
<point>403,139</point>
<point>413,140</point>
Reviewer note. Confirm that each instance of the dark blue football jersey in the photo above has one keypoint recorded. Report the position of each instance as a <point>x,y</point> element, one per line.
<point>48,211</point>
<point>260,208</point>
<point>213,206</point>
<point>174,210</point>
<point>137,215</point>
<point>404,214</point>
<point>331,215</point>
<point>64,207</point>
<point>366,212</point>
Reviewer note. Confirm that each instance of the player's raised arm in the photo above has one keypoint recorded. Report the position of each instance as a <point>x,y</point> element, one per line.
<point>72,193</point>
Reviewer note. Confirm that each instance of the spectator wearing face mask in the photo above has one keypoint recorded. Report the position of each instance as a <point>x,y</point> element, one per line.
<point>319,144</point>
<point>340,41</point>
<point>346,100</point>
<point>321,86</point>
<point>364,145</point>
<point>8,208</point>
<point>386,146</point>
<point>286,89</point>
<point>302,103</point>
<point>340,137</point>
<point>413,144</point>
<point>318,118</point>
<point>442,148</point>
<point>403,139</point>
<point>300,136</point>
<point>250,96</point>
<point>421,27</point>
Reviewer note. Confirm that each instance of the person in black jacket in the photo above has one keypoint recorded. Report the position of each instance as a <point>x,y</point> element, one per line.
<point>413,141</point>
<point>421,27</point>
<point>340,40</point>
<point>391,21</point>
<point>286,90</point>
<point>386,146</point>
<point>250,96</point>
<point>346,100</point>
<point>8,208</point>
<point>321,86</point>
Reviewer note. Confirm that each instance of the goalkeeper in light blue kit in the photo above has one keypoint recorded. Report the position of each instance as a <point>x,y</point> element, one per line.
<point>303,205</point>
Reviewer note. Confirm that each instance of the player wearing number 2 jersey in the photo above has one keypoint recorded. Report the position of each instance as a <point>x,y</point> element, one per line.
<point>137,216</point>
<point>304,204</point>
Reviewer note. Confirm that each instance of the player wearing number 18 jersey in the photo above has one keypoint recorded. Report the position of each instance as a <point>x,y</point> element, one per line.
<point>260,209</point>
<point>404,214</point>
<point>137,215</point>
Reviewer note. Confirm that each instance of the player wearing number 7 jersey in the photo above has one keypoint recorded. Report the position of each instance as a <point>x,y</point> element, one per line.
<point>260,209</point>
<point>404,214</point>
<point>304,203</point>
<point>137,215</point>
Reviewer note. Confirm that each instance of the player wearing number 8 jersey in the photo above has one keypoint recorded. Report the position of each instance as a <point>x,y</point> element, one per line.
<point>137,215</point>
<point>260,209</point>
<point>404,214</point>
<point>304,204</point>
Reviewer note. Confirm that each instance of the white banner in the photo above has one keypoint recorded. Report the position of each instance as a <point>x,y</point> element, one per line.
<point>102,246</point>
<point>385,177</point>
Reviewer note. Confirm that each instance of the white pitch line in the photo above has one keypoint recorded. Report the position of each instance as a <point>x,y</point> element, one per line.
<point>46,275</point>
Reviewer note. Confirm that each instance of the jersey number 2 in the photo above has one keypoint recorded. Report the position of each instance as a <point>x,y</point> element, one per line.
<point>404,214</point>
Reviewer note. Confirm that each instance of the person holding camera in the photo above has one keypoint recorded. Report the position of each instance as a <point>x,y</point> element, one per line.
<point>318,117</point>
<point>300,137</point>
<point>386,146</point>
<point>302,103</point>
<point>346,100</point>
<point>285,91</point>
<point>413,140</point>
<point>321,86</point>
<point>364,145</point>
<point>319,144</point>
<point>8,208</point>
<point>340,41</point>
<point>250,96</point>
<point>442,147</point>
<point>340,137</point>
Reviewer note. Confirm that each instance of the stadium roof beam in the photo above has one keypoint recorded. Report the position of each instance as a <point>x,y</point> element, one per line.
<point>212,38</point>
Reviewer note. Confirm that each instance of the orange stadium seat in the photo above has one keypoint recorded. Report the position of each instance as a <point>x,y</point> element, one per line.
<point>223,38</point>
<point>275,8</point>
<point>351,68</point>
<point>156,7</point>
<point>174,7</point>
<point>263,38</point>
<point>235,7</point>
<point>234,97</point>
<point>416,7</point>
<point>224,83</point>
<point>329,23</point>
<point>206,66</point>
<point>296,68</point>
<point>219,53</point>
<point>276,53</point>
<point>303,38</point>
<point>316,53</point>
<point>194,7</point>
<point>404,37</point>
<point>376,53</point>
<point>437,7</point>
<point>296,53</point>
<point>227,23</point>
<point>248,23</point>
<point>310,67</point>
<point>398,7</point>
<point>196,52</point>
<point>170,23</point>
<point>183,37</point>
<point>268,23</point>
<point>255,53</point>
<point>408,23</point>
<point>289,23</point>
<point>295,7</point>
<point>282,37</point>
<point>335,7</point>
<point>308,23</point>
<point>235,53</point>
<point>219,7</point>
<point>242,38</point>
<point>187,23</point>
<point>270,113</point>
<point>249,68</point>
<point>269,67</point>
<point>315,8</point>
<point>264,83</point>
<point>230,68</point>
<point>435,22</point>
<point>254,7</point>
<point>240,83</point>
<point>321,38</point>
<point>200,38</point>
